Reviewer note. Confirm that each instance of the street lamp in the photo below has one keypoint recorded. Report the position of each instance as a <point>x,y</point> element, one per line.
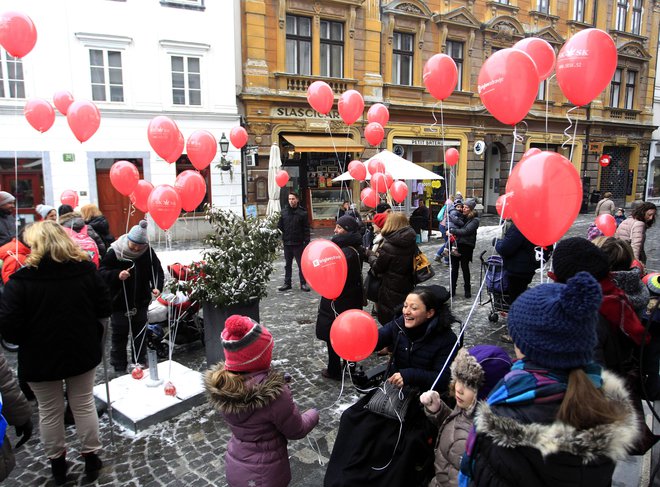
<point>225,165</point>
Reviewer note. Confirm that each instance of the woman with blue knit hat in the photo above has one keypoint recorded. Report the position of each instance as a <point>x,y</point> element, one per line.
<point>557,418</point>
<point>134,274</point>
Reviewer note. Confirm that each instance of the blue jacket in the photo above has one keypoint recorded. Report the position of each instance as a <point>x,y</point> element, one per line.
<point>518,254</point>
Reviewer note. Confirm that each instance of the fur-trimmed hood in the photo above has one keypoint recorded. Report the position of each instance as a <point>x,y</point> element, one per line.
<point>232,393</point>
<point>609,440</point>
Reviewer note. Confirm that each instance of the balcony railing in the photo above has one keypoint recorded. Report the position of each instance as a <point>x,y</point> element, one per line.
<point>296,83</point>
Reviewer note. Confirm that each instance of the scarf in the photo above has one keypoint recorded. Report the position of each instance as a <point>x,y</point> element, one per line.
<point>120,246</point>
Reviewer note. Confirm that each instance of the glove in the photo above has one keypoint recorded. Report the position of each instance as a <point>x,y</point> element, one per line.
<point>431,401</point>
<point>25,432</point>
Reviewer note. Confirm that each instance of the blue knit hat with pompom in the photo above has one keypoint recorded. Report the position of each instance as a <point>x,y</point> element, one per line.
<point>554,325</point>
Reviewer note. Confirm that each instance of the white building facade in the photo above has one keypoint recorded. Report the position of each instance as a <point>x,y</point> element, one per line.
<point>135,60</point>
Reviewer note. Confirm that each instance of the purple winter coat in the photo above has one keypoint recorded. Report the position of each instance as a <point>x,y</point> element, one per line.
<point>262,416</point>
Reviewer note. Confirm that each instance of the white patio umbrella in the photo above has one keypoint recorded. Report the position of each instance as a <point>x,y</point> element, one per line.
<point>398,167</point>
<point>274,165</point>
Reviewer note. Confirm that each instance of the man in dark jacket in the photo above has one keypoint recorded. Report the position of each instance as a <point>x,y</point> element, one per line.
<point>295,233</point>
<point>518,259</point>
<point>7,217</point>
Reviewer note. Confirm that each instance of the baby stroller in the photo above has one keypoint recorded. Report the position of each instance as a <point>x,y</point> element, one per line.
<point>496,285</point>
<point>173,317</point>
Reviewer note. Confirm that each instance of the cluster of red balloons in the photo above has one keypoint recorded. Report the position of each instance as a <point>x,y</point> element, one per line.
<point>381,182</point>
<point>82,116</point>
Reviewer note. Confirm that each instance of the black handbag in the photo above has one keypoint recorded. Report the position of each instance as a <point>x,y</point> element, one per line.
<point>390,401</point>
<point>371,286</point>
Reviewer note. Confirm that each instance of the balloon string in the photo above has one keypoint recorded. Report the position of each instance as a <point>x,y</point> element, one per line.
<point>567,132</point>
<point>435,120</point>
<point>444,166</point>
<point>344,184</point>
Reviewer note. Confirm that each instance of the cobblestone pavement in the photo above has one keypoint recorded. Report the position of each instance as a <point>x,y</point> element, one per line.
<point>189,449</point>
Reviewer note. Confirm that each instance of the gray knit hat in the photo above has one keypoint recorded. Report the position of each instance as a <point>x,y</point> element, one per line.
<point>43,210</point>
<point>6,198</point>
<point>470,203</point>
<point>138,233</point>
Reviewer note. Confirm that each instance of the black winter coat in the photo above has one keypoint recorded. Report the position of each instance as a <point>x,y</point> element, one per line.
<point>518,254</point>
<point>467,234</point>
<point>394,265</point>
<point>351,295</point>
<point>101,226</point>
<point>294,226</point>
<point>419,361</point>
<point>526,446</point>
<point>52,311</point>
<point>139,285</point>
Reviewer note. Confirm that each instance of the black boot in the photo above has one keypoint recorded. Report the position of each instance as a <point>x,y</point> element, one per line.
<point>468,292</point>
<point>59,467</point>
<point>92,466</point>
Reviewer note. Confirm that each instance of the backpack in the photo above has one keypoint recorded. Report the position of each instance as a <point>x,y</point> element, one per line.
<point>496,279</point>
<point>85,242</point>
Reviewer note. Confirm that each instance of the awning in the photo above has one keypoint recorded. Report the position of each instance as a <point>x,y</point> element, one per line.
<point>320,143</point>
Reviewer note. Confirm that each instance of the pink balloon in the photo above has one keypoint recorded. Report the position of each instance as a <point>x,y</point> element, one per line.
<point>69,197</point>
<point>379,182</point>
<point>399,191</point>
<point>164,205</point>
<point>281,178</point>
<point>39,113</point>
<point>140,195</point>
<point>201,148</point>
<point>163,135</point>
<point>374,133</point>
<point>541,53</point>
<point>369,197</point>
<point>351,106</point>
<point>606,224</point>
<point>320,97</point>
<point>375,166</point>
<point>84,119</point>
<point>63,100</point>
<point>389,180</point>
<point>238,137</point>
<point>357,170</point>
<point>18,34</point>
<point>451,156</point>
<point>508,84</point>
<point>354,335</point>
<point>324,267</point>
<point>378,113</point>
<point>192,189</point>
<point>440,76</point>
<point>124,177</point>
<point>585,65</point>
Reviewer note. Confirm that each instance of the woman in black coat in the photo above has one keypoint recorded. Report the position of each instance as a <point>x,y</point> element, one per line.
<point>95,219</point>
<point>347,237</point>
<point>52,308</point>
<point>518,260</point>
<point>393,264</point>
<point>466,242</point>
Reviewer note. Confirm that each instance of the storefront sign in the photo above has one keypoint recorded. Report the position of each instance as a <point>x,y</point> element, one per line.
<point>68,157</point>
<point>291,112</point>
<point>479,147</point>
<point>605,160</point>
<point>434,142</point>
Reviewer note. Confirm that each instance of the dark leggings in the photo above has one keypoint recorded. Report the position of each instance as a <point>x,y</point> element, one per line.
<point>119,338</point>
<point>464,263</point>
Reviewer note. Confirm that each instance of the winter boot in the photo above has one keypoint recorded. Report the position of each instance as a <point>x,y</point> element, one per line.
<point>59,467</point>
<point>468,292</point>
<point>92,466</point>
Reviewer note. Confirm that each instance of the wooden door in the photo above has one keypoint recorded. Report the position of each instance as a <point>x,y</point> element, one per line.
<point>114,205</point>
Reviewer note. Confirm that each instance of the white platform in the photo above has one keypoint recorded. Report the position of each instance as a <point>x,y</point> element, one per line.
<point>137,406</point>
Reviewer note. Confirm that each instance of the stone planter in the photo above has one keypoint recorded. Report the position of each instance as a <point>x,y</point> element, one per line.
<point>214,323</point>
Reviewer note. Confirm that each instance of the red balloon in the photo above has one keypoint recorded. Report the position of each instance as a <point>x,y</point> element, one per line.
<point>541,53</point>
<point>508,84</point>
<point>324,267</point>
<point>140,195</point>
<point>163,135</point>
<point>169,389</point>
<point>320,97</point>
<point>440,76</point>
<point>606,224</point>
<point>238,137</point>
<point>369,197</point>
<point>399,191</point>
<point>18,34</point>
<point>378,113</point>
<point>375,166</point>
<point>503,206</point>
<point>379,182</point>
<point>124,177</point>
<point>605,160</point>
<point>585,65</point>
<point>39,113</point>
<point>192,189</point>
<point>357,170</point>
<point>531,152</point>
<point>374,133</point>
<point>389,180</point>
<point>281,178</point>
<point>137,373</point>
<point>69,197</point>
<point>63,100</point>
<point>451,156</point>
<point>546,199</point>
<point>164,205</point>
<point>201,148</point>
<point>354,335</point>
<point>177,151</point>
<point>351,106</point>
<point>84,119</point>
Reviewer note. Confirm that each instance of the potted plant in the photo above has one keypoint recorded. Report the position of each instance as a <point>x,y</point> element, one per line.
<point>234,272</point>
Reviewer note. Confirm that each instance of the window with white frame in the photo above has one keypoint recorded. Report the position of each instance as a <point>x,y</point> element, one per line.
<point>621,14</point>
<point>298,45</point>
<point>186,80</point>
<point>332,49</point>
<point>455,51</point>
<point>636,26</point>
<point>543,6</point>
<point>106,75</point>
<point>631,79</point>
<point>12,84</point>
<point>615,88</point>
<point>542,88</point>
<point>578,10</point>
<point>402,58</point>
